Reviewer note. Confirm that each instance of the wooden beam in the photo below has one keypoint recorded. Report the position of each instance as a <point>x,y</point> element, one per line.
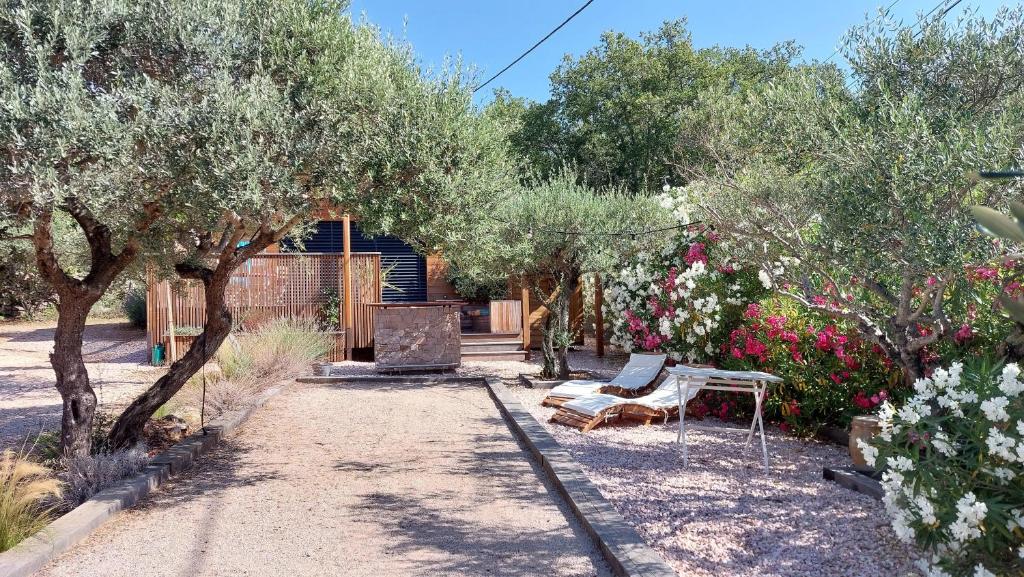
<point>346,276</point>
<point>526,318</point>
<point>599,314</point>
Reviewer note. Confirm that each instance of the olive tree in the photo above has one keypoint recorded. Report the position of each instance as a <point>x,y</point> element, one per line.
<point>186,137</point>
<point>856,202</point>
<point>550,233</point>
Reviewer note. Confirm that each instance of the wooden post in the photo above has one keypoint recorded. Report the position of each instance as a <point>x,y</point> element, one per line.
<point>526,318</point>
<point>346,278</point>
<point>599,314</point>
<point>172,347</point>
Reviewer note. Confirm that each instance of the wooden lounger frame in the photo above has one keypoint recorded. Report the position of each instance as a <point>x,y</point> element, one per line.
<point>633,412</point>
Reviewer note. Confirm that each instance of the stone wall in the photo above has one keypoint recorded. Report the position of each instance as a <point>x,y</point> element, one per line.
<point>417,336</point>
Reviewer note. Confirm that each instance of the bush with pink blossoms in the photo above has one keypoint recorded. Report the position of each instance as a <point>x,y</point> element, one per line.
<point>683,301</point>
<point>830,373</point>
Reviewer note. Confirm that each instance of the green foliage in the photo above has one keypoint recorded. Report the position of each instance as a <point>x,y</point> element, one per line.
<point>134,307</point>
<point>829,372</point>
<point>330,310</point>
<point>477,290</point>
<point>550,234</point>
<point>954,479</point>
<point>621,111</point>
<point>862,197</point>
<point>25,487</point>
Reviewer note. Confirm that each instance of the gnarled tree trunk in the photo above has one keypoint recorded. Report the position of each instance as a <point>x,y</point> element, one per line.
<point>77,395</point>
<point>557,332</point>
<point>127,430</point>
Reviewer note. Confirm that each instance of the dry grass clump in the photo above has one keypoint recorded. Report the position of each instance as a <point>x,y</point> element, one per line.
<point>86,476</point>
<point>26,489</point>
<point>253,362</point>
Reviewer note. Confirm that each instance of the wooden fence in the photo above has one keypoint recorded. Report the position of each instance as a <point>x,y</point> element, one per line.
<point>272,286</point>
<point>507,316</point>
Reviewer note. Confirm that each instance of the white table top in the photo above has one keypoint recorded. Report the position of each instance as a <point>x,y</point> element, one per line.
<point>685,371</point>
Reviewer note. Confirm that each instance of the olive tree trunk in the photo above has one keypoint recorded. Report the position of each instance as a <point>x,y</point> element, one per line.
<point>75,298</point>
<point>127,430</point>
<point>557,334</point>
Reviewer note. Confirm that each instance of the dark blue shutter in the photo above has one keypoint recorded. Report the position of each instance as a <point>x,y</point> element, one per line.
<point>406,269</point>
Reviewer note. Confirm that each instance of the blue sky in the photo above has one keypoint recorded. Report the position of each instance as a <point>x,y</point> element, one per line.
<point>491,33</point>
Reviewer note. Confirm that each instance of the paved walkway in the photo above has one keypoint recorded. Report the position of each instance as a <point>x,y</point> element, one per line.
<point>371,480</point>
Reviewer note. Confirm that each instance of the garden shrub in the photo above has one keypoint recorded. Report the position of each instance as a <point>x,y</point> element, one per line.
<point>830,374</point>
<point>134,307</point>
<point>84,476</point>
<point>953,460</point>
<point>25,489</point>
<point>682,301</point>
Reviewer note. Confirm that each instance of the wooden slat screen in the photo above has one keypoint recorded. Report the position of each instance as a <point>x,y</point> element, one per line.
<point>271,286</point>
<point>507,317</point>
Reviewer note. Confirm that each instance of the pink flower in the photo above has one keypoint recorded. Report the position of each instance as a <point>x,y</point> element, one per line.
<point>696,254</point>
<point>835,378</point>
<point>776,322</point>
<point>753,311</point>
<point>963,335</point>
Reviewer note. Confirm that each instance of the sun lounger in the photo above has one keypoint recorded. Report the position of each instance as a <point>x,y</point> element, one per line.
<point>638,374</point>
<point>589,411</point>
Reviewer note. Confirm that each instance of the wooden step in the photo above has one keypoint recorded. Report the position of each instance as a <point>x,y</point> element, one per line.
<point>494,355</point>
<point>496,345</point>
<point>466,337</point>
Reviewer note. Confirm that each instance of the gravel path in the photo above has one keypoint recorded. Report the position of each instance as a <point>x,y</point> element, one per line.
<point>116,358</point>
<point>352,480</point>
<point>723,515</point>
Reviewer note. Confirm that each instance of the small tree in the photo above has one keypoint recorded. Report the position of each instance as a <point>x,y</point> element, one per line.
<point>550,234</point>
<point>856,203</point>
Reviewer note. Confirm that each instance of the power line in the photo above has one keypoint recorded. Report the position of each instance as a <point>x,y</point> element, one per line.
<point>623,232</point>
<point>539,42</point>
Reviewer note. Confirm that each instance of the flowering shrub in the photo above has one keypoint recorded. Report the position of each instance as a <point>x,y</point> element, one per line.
<point>830,374</point>
<point>682,301</point>
<point>954,469</point>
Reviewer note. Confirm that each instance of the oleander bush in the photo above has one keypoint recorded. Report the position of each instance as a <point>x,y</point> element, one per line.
<point>953,461</point>
<point>683,301</point>
<point>830,373</point>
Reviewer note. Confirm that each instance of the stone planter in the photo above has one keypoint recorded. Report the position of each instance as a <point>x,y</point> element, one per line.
<point>864,427</point>
<point>322,369</point>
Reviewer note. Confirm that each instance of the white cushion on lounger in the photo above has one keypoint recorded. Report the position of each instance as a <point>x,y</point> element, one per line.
<point>576,388</point>
<point>663,398</point>
<point>640,371</point>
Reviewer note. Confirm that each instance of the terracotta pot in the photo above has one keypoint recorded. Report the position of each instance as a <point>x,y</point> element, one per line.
<point>864,427</point>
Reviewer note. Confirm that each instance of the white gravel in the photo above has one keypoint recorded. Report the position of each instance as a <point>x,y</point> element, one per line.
<point>723,515</point>
<point>352,480</point>
<point>115,356</point>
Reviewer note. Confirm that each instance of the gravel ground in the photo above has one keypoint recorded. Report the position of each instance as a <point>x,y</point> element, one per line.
<point>116,358</point>
<point>352,480</point>
<point>723,515</point>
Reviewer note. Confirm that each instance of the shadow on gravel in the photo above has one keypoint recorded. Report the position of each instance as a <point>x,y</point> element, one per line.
<point>466,547</point>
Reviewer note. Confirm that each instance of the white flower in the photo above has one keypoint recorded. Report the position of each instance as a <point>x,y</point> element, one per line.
<point>970,514</point>
<point>981,571</point>
<point>870,453</point>
<point>762,275</point>
<point>908,414</point>
<point>899,463</point>
<point>926,510</point>
<point>941,443</point>
<point>1000,445</point>
<point>995,409</point>
<point>1010,383</point>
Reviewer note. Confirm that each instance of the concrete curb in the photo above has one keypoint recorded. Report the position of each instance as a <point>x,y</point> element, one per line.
<point>618,541</point>
<point>30,555</point>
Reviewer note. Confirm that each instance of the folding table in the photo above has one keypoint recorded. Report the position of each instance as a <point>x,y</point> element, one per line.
<point>697,378</point>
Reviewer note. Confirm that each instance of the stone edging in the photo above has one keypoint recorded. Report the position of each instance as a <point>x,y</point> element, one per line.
<point>618,541</point>
<point>30,555</point>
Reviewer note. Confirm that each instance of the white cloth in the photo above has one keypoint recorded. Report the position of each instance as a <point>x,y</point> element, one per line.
<point>640,371</point>
<point>665,397</point>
